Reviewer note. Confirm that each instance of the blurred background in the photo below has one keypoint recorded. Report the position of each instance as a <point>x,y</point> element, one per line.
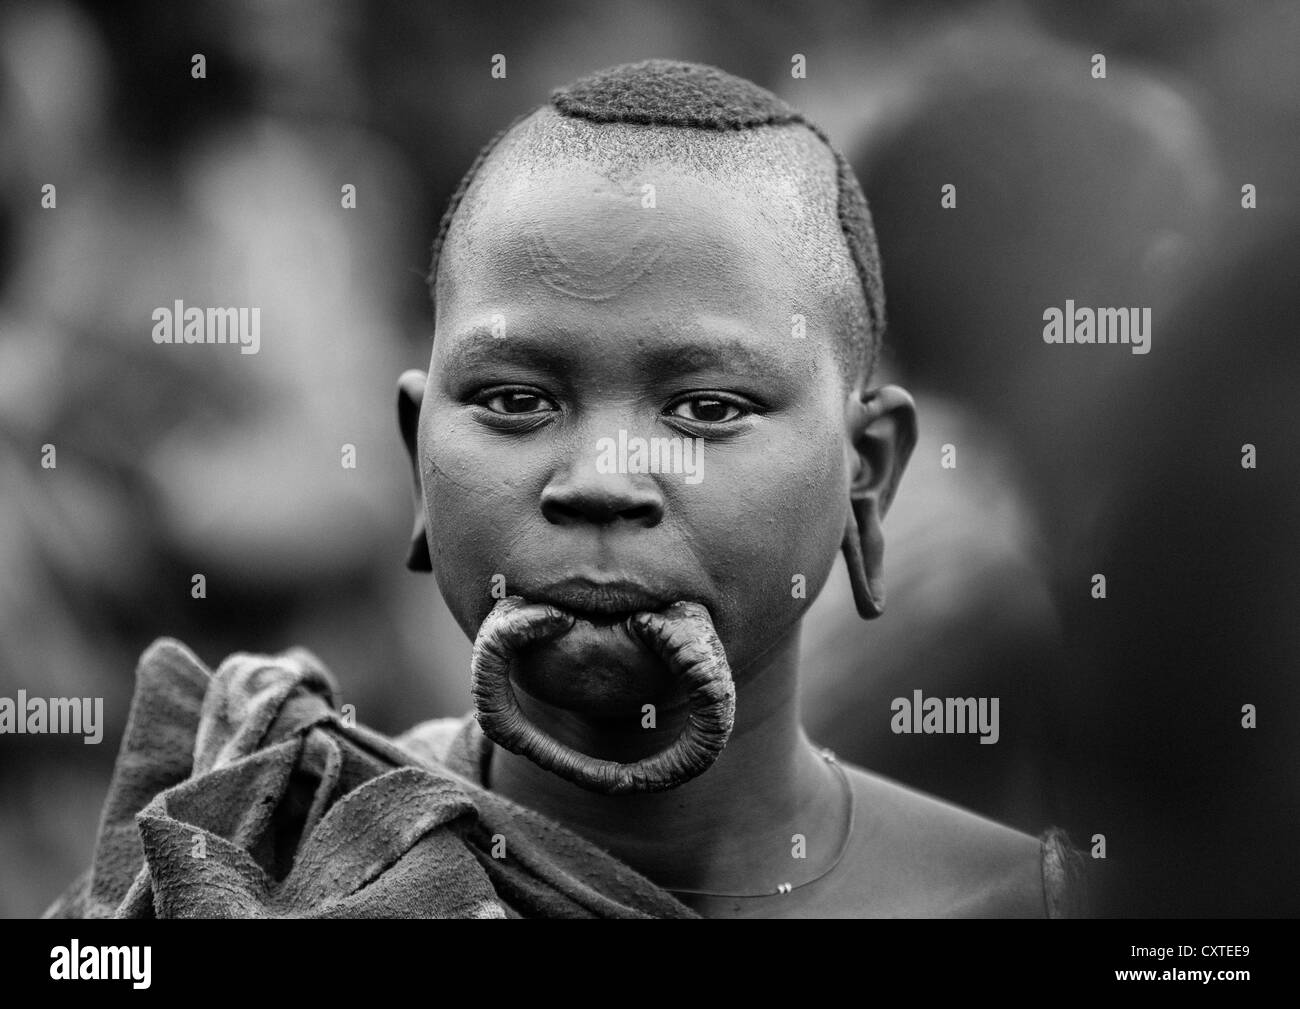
<point>1119,717</point>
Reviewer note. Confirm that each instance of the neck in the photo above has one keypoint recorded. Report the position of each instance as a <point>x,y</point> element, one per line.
<point>729,828</point>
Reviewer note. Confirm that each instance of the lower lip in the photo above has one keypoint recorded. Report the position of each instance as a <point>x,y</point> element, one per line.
<point>601,619</point>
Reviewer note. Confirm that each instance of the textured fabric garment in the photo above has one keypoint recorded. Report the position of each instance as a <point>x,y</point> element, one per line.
<point>1065,892</point>
<point>244,794</point>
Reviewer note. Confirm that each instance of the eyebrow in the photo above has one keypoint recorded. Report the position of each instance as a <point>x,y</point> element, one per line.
<point>727,354</point>
<point>479,348</point>
<point>683,355</point>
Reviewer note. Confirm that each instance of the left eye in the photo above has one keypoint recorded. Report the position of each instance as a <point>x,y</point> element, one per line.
<point>706,410</point>
<point>517,401</point>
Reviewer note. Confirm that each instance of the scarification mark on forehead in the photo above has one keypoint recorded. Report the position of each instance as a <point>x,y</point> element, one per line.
<point>585,278</point>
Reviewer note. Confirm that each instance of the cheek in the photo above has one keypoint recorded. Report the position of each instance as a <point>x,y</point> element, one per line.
<point>771,535</point>
<point>471,510</point>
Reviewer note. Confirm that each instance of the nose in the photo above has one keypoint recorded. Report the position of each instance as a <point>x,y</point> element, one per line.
<point>582,495</point>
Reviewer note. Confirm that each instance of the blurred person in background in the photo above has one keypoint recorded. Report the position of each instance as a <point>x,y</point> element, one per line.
<point>1062,186</point>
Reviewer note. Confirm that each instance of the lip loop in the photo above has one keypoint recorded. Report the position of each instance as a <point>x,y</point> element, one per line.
<point>682,635</point>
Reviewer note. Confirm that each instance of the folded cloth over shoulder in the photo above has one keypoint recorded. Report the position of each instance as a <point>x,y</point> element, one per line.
<point>244,793</point>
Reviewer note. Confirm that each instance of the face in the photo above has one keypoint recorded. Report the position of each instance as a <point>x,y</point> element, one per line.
<point>576,319</point>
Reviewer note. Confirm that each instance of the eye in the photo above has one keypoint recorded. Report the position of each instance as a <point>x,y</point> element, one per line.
<point>513,402</point>
<point>708,410</point>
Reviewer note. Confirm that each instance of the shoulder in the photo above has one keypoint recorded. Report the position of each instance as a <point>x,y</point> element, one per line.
<point>919,856</point>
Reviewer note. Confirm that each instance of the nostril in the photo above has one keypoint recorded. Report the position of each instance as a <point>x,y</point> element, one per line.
<point>646,515</point>
<point>560,514</point>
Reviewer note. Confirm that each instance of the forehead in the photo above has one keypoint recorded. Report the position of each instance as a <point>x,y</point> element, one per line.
<point>587,220</point>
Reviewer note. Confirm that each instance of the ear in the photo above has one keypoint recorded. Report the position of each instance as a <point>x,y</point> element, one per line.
<point>410,396</point>
<point>882,431</point>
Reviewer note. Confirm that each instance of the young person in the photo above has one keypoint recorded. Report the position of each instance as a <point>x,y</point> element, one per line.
<point>648,413</point>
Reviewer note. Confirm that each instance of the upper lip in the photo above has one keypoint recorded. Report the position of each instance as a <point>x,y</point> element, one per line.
<point>606,597</point>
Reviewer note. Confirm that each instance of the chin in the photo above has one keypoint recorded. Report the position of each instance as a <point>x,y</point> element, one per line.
<point>598,670</point>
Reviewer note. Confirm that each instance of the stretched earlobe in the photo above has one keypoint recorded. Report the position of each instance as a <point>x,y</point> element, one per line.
<point>881,427</point>
<point>410,396</point>
<point>417,557</point>
<point>863,551</point>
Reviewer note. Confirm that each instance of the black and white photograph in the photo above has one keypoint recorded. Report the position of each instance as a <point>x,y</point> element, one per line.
<point>645,459</point>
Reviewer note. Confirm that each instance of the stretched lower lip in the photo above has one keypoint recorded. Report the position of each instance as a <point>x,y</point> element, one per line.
<point>602,619</point>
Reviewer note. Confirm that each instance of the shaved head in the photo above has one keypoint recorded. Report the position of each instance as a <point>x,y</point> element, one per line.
<point>663,125</point>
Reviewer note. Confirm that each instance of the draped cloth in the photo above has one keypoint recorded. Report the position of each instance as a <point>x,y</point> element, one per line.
<point>245,793</point>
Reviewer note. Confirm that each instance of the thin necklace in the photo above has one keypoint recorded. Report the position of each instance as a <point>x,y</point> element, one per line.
<point>784,888</point>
